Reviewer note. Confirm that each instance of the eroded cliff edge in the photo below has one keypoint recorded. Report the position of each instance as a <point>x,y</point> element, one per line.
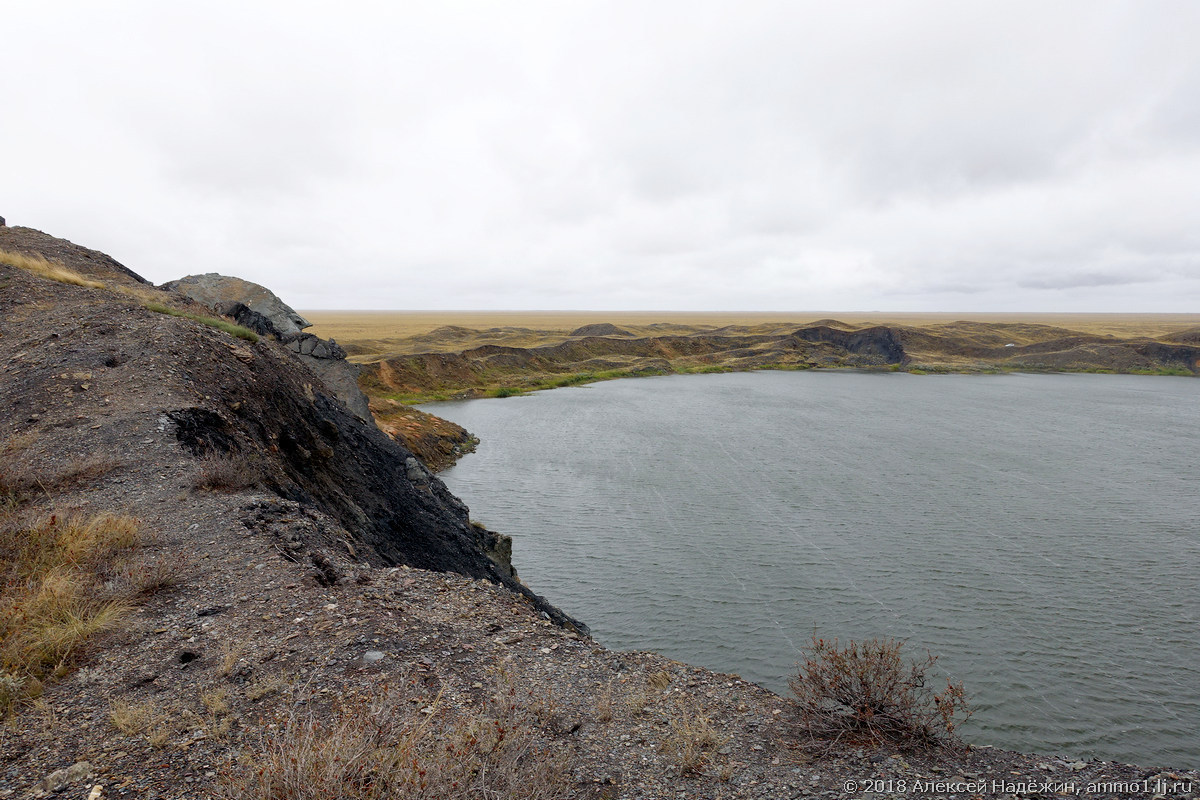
<point>260,404</point>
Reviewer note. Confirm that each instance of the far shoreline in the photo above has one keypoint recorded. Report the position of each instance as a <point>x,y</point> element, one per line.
<point>373,323</point>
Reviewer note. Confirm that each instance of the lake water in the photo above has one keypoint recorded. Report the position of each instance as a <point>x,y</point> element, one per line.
<point>1041,533</point>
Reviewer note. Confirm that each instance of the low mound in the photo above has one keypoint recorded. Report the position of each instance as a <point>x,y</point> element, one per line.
<point>600,329</point>
<point>1190,336</point>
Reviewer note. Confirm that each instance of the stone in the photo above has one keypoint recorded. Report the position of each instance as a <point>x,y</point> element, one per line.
<point>414,471</point>
<point>224,293</point>
<point>371,656</point>
<point>61,777</point>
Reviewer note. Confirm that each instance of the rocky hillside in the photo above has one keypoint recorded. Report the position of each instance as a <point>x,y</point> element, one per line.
<point>454,361</point>
<point>219,581</point>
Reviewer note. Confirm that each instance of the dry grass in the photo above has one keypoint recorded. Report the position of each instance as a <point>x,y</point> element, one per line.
<point>265,686</point>
<point>604,703</point>
<point>54,594</point>
<point>147,718</point>
<point>63,580</point>
<point>389,747</point>
<point>216,701</point>
<point>219,723</point>
<point>226,472</point>
<point>20,481</point>
<point>149,297</point>
<point>231,654</point>
<point>691,739</point>
<point>233,329</point>
<point>47,269</point>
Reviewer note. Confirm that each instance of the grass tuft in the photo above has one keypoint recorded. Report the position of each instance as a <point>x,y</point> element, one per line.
<point>56,592</point>
<point>226,472</point>
<point>692,740</point>
<point>147,718</point>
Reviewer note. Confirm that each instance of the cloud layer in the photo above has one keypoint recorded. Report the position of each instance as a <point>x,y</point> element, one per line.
<point>667,155</point>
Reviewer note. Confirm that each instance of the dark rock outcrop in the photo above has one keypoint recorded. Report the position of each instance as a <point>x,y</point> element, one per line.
<point>879,341</point>
<point>313,451</point>
<point>224,293</point>
<point>1179,355</point>
<point>259,309</point>
<point>600,329</point>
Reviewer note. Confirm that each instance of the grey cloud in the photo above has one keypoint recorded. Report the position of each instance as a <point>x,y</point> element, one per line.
<point>1082,280</point>
<point>790,155</point>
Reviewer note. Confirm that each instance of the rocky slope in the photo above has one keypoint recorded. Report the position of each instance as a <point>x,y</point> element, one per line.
<point>314,577</point>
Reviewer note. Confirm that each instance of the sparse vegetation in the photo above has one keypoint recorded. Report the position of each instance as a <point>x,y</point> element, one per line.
<point>146,718</point>
<point>231,328</point>
<point>691,739</point>
<point>389,747</point>
<point>659,680</point>
<point>604,703</point>
<point>265,686</point>
<point>148,297</point>
<point>867,691</point>
<point>63,579</point>
<point>56,590</point>
<point>226,472</point>
<point>47,269</point>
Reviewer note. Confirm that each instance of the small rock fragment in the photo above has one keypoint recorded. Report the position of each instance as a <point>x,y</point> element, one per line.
<point>61,777</point>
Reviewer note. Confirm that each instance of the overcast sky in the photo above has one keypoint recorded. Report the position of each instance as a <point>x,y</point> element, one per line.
<point>953,156</point>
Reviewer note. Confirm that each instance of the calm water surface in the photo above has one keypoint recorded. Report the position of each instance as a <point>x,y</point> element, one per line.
<point>1040,532</point>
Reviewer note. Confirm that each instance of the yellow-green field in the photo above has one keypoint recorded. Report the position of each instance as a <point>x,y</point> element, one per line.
<point>381,326</point>
<point>409,356</point>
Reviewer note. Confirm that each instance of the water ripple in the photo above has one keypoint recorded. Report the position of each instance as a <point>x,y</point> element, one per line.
<point>1038,532</point>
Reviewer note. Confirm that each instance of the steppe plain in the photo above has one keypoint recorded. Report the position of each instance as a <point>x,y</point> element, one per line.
<point>434,355</point>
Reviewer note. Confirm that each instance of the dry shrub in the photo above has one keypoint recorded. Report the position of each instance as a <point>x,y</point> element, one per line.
<point>228,472</point>
<point>54,592</point>
<point>390,748</point>
<point>866,691</point>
